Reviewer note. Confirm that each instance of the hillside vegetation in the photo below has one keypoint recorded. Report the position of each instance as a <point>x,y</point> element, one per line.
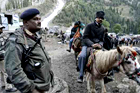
<point>18,6</point>
<point>122,16</point>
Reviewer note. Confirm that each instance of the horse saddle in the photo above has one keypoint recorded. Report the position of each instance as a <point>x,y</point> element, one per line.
<point>76,43</point>
<point>91,58</point>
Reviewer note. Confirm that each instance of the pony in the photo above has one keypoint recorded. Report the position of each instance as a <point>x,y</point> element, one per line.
<point>102,61</point>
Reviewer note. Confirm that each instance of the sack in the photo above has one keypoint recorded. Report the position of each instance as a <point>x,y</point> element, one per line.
<point>108,44</point>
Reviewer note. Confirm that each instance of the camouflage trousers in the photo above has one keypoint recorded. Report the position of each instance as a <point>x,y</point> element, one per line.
<point>3,77</point>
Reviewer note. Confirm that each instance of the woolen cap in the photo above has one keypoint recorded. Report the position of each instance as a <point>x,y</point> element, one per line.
<point>77,23</point>
<point>100,14</point>
<point>30,13</point>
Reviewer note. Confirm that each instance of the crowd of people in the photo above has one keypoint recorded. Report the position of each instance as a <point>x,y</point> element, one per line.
<point>124,40</point>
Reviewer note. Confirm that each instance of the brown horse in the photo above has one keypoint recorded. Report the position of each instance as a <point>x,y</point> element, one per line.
<point>76,45</point>
<point>105,60</point>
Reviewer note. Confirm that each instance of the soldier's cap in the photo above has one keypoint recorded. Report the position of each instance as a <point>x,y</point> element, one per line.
<point>100,14</point>
<point>29,13</point>
<point>1,26</point>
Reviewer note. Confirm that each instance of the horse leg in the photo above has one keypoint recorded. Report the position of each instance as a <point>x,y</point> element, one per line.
<point>121,69</point>
<point>90,83</point>
<point>88,76</point>
<point>76,58</point>
<point>87,79</point>
<point>93,90</point>
<point>103,89</point>
<point>76,54</point>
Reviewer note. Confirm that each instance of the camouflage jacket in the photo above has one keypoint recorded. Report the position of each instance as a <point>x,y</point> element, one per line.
<point>3,40</point>
<point>43,76</point>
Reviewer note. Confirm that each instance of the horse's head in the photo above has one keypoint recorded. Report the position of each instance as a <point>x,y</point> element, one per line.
<point>127,59</point>
<point>129,62</point>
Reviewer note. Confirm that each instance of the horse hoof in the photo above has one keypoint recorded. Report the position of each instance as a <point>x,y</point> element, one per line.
<point>92,91</point>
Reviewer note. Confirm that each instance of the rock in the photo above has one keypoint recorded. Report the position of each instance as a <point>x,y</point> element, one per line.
<point>125,80</point>
<point>59,87</point>
<point>137,89</point>
<point>123,88</point>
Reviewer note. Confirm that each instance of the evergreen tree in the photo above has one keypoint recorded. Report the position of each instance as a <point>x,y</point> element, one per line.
<point>117,28</point>
<point>106,24</point>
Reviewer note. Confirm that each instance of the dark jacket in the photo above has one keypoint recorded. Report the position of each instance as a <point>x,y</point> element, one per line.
<point>73,31</point>
<point>93,34</point>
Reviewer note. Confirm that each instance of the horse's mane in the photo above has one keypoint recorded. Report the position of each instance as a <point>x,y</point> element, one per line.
<point>106,59</point>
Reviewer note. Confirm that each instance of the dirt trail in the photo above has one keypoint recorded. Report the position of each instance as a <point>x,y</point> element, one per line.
<point>63,65</point>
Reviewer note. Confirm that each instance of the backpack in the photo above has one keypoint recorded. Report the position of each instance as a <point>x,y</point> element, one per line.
<point>107,44</point>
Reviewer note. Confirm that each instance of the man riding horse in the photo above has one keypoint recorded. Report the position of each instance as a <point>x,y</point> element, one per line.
<point>93,37</point>
<point>78,27</point>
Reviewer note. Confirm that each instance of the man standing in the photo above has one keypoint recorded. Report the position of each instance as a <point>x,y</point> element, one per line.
<point>3,75</point>
<point>93,37</point>
<point>27,63</point>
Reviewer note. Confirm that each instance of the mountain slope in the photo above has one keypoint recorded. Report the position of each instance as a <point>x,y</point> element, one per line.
<point>18,6</point>
<point>123,12</point>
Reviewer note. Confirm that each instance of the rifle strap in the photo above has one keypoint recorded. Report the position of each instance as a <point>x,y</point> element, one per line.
<point>25,41</point>
<point>44,52</point>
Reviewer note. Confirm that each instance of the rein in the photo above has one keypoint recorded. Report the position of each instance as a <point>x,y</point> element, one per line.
<point>121,62</point>
<point>93,58</point>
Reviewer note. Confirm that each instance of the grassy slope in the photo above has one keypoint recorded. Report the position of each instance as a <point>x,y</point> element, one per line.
<point>124,9</point>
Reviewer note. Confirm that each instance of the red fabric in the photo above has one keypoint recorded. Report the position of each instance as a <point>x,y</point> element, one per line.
<point>77,34</point>
<point>134,53</point>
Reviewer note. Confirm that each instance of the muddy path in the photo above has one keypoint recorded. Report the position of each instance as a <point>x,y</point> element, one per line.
<point>64,67</point>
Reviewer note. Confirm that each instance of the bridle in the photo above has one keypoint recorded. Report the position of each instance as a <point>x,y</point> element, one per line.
<point>125,60</point>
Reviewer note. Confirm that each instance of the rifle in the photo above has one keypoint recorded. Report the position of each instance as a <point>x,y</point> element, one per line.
<point>30,49</point>
<point>25,62</point>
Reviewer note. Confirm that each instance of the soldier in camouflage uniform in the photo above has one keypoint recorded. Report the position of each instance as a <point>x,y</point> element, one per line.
<point>27,62</point>
<point>3,76</point>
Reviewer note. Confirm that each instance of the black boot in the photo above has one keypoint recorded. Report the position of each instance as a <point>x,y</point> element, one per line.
<point>68,50</point>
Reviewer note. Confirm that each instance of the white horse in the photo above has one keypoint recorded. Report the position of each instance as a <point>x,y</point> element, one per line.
<point>102,61</point>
